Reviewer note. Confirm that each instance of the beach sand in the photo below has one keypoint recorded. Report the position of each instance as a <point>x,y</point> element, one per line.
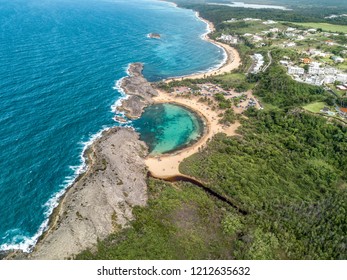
<point>108,189</point>
<point>167,165</point>
<point>232,62</point>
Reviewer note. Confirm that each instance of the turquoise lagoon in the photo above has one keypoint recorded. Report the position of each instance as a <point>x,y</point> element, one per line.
<point>60,61</point>
<point>169,127</point>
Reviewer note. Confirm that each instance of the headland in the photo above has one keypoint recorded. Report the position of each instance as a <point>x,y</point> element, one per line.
<point>139,90</point>
<point>100,201</point>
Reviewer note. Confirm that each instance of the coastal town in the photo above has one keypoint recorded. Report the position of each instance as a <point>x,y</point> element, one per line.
<point>320,56</point>
<point>252,159</point>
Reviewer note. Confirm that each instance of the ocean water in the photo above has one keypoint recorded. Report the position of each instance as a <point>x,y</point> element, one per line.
<point>60,61</point>
<point>168,127</point>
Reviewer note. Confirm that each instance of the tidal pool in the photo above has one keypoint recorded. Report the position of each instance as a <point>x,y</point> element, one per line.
<point>168,127</point>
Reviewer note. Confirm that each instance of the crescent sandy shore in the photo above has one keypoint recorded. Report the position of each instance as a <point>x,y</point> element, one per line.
<point>167,165</point>
<point>101,200</point>
<point>231,62</point>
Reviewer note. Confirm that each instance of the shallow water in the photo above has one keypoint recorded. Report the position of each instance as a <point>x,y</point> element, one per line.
<point>168,127</point>
<point>59,63</point>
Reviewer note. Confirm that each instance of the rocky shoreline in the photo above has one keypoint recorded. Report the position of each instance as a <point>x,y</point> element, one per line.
<point>100,202</point>
<point>140,92</point>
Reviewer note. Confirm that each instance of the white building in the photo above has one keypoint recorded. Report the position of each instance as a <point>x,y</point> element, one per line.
<point>228,38</point>
<point>315,80</point>
<point>251,19</point>
<point>274,30</point>
<point>284,62</point>
<point>291,29</point>
<point>314,53</point>
<point>231,20</point>
<point>269,22</point>
<point>295,70</point>
<point>314,68</point>
<point>259,62</point>
<point>291,44</point>
<point>330,71</point>
<point>257,38</point>
<point>329,79</point>
<point>337,59</point>
<point>342,78</point>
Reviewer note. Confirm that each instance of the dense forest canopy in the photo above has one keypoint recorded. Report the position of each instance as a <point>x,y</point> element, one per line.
<point>303,11</point>
<point>285,171</point>
<point>287,3</point>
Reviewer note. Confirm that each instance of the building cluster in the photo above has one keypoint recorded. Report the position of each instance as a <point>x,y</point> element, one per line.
<point>336,16</point>
<point>315,74</point>
<point>258,63</point>
<point>342,87</point>
<point>228,39</point>
<point>336,111</point>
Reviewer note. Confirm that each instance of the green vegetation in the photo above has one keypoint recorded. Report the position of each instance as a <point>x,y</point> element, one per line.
<point>228,117</point>
<point>180,222</point>
<point>288,170</point>
<point>234,80</point>
<point>324,26</point>
<point>279,89</point>
<point>223,103</point>
<point>219,14</point>
<point>315,107</point>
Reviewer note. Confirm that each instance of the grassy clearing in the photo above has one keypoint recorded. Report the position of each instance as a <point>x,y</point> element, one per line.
<point>231,77</point>
<point>315,107</point>
<point>245,27</point>
<point>180,222</point>
<point>324,26</point>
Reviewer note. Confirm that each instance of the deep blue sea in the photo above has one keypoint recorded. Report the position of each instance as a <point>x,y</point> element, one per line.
<point>59,63</point>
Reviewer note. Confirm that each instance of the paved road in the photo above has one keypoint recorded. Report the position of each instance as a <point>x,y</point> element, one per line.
<point>270,61</point>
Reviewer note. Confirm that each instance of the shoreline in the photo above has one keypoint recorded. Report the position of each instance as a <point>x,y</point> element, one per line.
<point>231,62</point>
<point>100,201</point>
<point>170,161</point>
<point>167,165</point>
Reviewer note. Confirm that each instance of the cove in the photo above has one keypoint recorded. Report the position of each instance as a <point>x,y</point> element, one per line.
<point>168,127</point>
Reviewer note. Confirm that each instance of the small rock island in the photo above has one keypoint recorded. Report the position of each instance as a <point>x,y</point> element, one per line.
<point>154,35</point>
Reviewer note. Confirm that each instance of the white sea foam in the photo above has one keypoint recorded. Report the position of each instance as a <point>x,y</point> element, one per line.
<point>118,102</point>
<point>204,37</point>
<point>27,244</point>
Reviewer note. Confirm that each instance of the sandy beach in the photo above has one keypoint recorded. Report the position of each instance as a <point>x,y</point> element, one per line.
<point>118,160</point>
<point>167,165</point>
<point>232,61</point>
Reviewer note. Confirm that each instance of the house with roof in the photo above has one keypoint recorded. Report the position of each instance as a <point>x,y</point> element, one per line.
<point>342,112</point>
<point>342,78</point>
<point>295,70</point>
<point>329,79</point>
<point>337,59</point>
<point>307,60</point>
